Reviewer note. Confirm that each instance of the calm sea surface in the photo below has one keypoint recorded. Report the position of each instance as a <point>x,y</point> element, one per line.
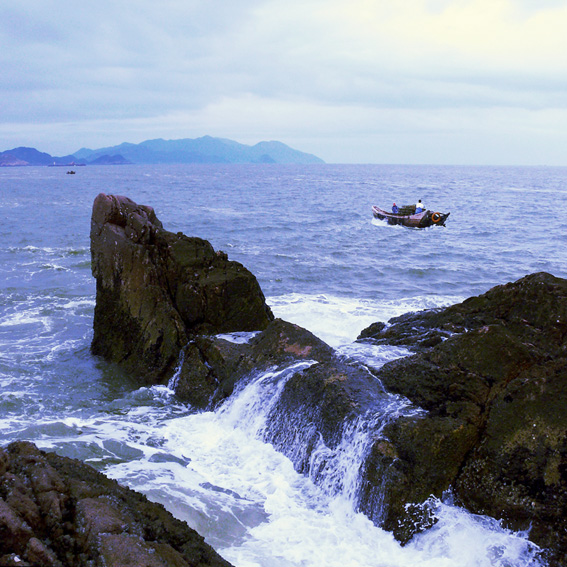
<point>308,235</point>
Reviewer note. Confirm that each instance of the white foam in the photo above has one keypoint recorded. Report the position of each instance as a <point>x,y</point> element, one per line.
<point>472,539</point>
<point>78,304</point>
<point>372,355</point>
<point>27,317</point>
<point>54,267</point>
<point>212,470</point>
<point>339,320</point>
<point>302,517</point>
<point>238,337</point>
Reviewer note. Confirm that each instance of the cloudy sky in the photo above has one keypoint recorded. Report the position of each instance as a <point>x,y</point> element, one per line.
<point>352,81</point>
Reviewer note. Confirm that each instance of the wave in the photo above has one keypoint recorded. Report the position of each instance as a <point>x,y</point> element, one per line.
<point>339,320</point>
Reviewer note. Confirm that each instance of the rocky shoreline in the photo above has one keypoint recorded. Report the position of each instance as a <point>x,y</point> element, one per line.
<point>488,375</point>
<point>56,512</point>
<point>487,380</point>
<point>491,373</point>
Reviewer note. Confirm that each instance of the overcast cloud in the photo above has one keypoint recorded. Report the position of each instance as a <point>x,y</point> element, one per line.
<point>364,81</point>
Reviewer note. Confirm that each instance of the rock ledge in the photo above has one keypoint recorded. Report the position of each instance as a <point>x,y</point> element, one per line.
<point>58,512</point>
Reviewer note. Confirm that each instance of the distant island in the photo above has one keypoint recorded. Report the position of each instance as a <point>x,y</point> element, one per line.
<point>199,150</point>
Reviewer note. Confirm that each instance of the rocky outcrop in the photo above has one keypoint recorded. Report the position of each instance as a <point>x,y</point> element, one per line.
<point>212,365</point>
<point>485,418</point>
<point>156,290</point>
<point>487,383</point>
<point>59,512</point>
<point>491,373</point>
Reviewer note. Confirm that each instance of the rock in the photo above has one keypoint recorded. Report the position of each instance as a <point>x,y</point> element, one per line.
<point>156,290</point>
<point>122,550</point>
<point>521,463</point>
<point>37,553</point>
<point>86,520</point>
<point>316,404</point>
<point>13,529</point>
<point>213,365</point>
<point>491,374</point>
<point>527,307</point>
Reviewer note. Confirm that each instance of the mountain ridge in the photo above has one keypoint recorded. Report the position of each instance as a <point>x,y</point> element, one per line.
<point>205,149</point>
<point>22,156</point>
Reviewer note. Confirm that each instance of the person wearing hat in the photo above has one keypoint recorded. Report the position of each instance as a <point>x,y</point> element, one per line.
<point>395,209</point>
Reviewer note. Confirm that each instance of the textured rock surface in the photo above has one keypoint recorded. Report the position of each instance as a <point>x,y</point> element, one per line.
<point>59,512</point>
<point>156,290</point>
<point>212,365</point>
<point>317,405</point>
<point>495,390</point>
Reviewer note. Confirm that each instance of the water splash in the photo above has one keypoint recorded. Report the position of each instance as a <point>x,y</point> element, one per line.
<point>339,470</point>
<point>174,380</point>
<point>252,402</point>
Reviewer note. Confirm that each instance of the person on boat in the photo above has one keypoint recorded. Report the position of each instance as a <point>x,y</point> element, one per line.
<point>419,207</point>
<point>395,209</point>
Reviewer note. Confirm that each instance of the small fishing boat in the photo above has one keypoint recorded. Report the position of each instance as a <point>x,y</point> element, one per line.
<point>406,216</point>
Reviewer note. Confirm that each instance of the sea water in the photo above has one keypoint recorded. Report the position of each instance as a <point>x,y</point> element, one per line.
<point>308,235</point>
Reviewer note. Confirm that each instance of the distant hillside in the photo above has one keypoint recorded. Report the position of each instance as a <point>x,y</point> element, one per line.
<point>7,160</point>
<point>105,159</point>
<point>30,156</point>
<point>200,150</point>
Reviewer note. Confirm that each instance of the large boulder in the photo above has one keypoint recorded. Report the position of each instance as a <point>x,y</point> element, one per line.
<point>56,511</point>
<point>156,290</point>
<point>494,387</point>
<point>530,305</point>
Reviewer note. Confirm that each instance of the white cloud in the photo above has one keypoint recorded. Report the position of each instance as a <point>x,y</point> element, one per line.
<point>341,75</point>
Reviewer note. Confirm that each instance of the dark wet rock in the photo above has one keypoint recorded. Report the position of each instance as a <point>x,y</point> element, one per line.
<point>284,342</point>
<point>527,307</point>
<point>315,406</point>
<point>59,512</point>
<point>212,365</point>
<point>156,290</point>
<point>494,387</point>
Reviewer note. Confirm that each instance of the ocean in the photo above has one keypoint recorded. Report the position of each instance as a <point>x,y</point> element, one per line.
<point>323,262</point>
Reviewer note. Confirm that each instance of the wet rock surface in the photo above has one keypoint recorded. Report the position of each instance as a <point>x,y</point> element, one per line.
<point>156,290</point>
<point>225,363</point>
<point>59,512</point>
<point>491,374</point>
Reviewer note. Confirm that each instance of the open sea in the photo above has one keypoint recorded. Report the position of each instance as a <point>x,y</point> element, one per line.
<point>307,234</point>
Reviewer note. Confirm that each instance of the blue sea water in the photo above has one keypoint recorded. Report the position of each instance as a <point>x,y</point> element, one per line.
<point>308,235</point>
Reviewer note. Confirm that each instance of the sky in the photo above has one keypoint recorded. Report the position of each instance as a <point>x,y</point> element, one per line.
<point>351,81</point>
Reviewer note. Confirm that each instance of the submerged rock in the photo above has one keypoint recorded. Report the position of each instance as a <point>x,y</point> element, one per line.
<point>155,290</point>
<point>494,387</point>
<point>58,512</point>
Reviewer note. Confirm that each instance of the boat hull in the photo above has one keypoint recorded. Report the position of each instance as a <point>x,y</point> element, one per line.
<point>419,220</point>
